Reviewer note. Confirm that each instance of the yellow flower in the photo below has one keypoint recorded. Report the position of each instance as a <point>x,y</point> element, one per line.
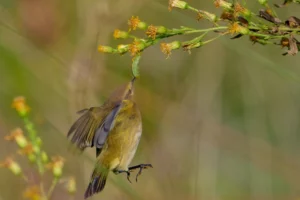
<point>236,28</point>
<point>56,165</point>
<point>224,4</point>
<point>106,49</point>
<point>27,150</point>
<point>135,23</point>
<point>151,31</point>
<point>19,103</point>
<point>32,193</point>
<point>12,165</point>
<point>166,48</point>
<point>71,185</point>
<point>136,47</point>
<point>177,4</point>
<point>120,34</point>
<point>240,9</point>
<point>18,136</point>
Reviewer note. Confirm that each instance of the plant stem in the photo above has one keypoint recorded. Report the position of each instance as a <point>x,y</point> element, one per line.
<point>212,39</point>
<point>44,197</point>
<point>52,187</point>
<point>207,30</point>
<point>33,138</point>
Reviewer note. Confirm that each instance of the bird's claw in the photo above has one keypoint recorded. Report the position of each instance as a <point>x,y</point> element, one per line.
<point>140,167</point>
<point>123,171</point>
<point>128,176</point>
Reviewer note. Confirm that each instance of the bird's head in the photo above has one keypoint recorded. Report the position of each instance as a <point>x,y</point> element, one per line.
<point>123,92</point>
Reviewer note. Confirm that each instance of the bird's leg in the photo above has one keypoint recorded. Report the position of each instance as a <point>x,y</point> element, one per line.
<point>123,171</point>
<point>141,167</point>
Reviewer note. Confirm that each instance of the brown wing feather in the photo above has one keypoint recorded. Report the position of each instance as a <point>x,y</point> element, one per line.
<point>83,130</point>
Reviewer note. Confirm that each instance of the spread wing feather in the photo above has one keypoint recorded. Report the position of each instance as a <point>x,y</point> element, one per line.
<point>83,131</point>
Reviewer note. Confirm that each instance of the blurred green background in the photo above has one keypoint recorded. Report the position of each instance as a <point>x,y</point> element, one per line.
<point>219,124</point>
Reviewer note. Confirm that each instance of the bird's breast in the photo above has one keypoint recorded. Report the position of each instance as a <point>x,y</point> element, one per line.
<point>129,149</point>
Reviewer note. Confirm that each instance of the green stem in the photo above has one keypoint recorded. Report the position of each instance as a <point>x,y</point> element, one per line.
<point>44,197</point>
<point>33,138</point>
<point>52,187</point>
<point>283,28</point>
<point>206,30</point>
<point>192,8</point>
<point>208,41</point>
<point>132,36</point>
<point>266,36</point>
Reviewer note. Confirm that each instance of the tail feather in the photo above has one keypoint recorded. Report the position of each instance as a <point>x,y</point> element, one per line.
<point>97,183</point>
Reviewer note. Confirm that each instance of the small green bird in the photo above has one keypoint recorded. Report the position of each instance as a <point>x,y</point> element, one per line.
<point>114,129</point>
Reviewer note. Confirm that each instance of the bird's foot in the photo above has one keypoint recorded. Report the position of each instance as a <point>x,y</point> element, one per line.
<point>124,171</point>
<point>141,167</point>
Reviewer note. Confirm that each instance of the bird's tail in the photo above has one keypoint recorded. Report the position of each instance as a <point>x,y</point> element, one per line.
<point>97,182</point>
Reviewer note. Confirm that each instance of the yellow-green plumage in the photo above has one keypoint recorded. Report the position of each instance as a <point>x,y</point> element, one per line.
<point>123,138</point>
<point>83,131</point>
<point>114,129</point>
<point>120,146</point>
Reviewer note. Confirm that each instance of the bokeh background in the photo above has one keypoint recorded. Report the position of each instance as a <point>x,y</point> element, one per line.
<point>221,123</point>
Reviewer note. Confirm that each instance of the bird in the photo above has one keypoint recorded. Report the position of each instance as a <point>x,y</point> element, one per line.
<point>115,129</point>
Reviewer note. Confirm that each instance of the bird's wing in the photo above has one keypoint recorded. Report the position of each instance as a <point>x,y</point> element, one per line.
<point>83,131</point>
<point>103,131</point>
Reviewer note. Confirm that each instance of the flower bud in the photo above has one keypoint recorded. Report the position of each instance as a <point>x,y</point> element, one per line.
<point>161,29</point>
<point>118,34</point>
<point>224,4</point>
<point>135,23</point>
<point>244,30</point>
<point>263,2</point>
<point>31,158</point>
<point>195,45</point>
<point>44,157</point>
<point>71,185</point>
<point>39,141</point>
<point>15,168</point>
<point>57,171</point>
<point>136,47</point>
<point>247,14</point>
<point>106,49</point>
<point>18,136</point>
<point>56,166</point>
<point>29,151</point>
<point>210,16</point>
<point>12,165</point>
<point>19,103</point>
<point>123,48</point>
<point>166,48</point>
<point>175,45</point>
<point>236,28</point>
<point>142,25</point>
<point>36,149</point>
<point>153,31</point>
<point>177,4</point>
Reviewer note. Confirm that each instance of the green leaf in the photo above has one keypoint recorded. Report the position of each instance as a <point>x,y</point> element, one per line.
<point>135,67</point>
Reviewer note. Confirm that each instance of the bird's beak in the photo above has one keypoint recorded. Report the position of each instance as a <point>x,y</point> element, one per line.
<point>132,80</point>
